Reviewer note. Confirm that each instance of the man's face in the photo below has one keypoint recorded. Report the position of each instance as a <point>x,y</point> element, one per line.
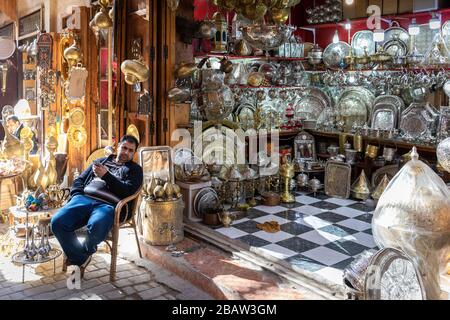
<point>12,126</point>
<point>126,151</point>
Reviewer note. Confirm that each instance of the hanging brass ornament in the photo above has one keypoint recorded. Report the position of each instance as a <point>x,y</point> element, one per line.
<point>135,70</point>
<point>279,16</point>
<point>380,188</point>
<point>254,12</point>
<point>73,54</point>
<point>360,188</point>
<point>185,70</point>
<point>102,19</point>
<point>282,4</point>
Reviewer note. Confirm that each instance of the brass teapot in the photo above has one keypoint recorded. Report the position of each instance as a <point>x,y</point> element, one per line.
<point>227,218</point>
<point>57,195</point>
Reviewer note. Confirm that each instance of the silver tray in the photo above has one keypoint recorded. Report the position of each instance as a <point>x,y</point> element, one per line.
<point>246,117</point>
<point>309,107</point>
<point>396,47</point>
<point>197,199</point>
<point>364,94</point>
<point>320,94</point>
<point>395,33</point>
<point>363,39</point>
<point>392,275</point>
<point>338,179</point>
<point>384,117</point>
<point>413,125</point>
<point>209,202</point>
<point>352,110</point>
<point>334,55</point>
<point>390,99</point>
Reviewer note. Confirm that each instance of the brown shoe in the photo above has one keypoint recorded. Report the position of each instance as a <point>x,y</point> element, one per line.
<point>84,266</point>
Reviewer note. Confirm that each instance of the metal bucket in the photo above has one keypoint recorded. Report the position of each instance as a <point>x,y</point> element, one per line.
<point>162,222</point>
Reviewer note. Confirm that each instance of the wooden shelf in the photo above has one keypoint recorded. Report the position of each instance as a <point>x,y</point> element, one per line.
<point>400,16</point>
<point>235,57</point>
<point>378,141</point>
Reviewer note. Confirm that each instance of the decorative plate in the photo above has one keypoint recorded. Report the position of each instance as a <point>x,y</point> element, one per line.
<point>338,179</point>
<point>396,47</point>
<point>309,108</point>
<point>392,275</point>
<point>317,92</point>
<point>362,93</point>
<point>246,117</point>
<point>208,203</point>
<point>384,117</point>
<point>397,33</point>
<point>413,125</point>
<point>334,55</point>
<point>77,136</point>
<point>363,39</point>
<point>352,110</point>
<point>77,117</point>
<point>197,199</point>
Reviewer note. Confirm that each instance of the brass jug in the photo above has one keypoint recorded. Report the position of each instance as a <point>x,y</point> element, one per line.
<point>227,218</point>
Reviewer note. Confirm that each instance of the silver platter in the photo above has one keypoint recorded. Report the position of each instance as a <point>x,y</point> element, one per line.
<point>334,55</point>
<point>309,107</point>
<point>446,34</point>
<point>317,92</point>
<point>364,94</point>
<point>363,40</point>
<point>396,47</point>
<point>395,33</point>
<point>392,275</point>
<point>390,99</point>
<point>198,198</point>
<point>384,117</point>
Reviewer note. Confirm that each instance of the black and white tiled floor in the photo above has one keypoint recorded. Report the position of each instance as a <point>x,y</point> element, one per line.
<point>318,234</point>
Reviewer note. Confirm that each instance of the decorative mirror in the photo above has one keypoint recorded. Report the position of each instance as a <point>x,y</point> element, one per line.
<point>76,85</point>
<point>157,162</point>
<point>305,148</point>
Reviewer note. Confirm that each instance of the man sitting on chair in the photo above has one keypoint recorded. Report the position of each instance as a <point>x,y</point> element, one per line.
<point>94,195</point>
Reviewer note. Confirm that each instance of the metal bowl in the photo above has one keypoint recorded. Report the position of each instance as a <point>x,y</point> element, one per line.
<point>266,37</point>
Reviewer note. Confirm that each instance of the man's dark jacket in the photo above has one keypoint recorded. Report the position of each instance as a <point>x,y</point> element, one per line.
<point>132,178</point>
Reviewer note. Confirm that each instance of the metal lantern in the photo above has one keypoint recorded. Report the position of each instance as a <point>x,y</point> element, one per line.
<point>221,35</point>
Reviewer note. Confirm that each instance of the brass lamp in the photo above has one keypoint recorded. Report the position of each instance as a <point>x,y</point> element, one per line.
<point>102,19</point>
<point>135,70</point>
<point>73,54</point>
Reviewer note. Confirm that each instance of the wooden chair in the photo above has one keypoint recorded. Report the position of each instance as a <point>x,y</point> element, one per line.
<point>112,240</point>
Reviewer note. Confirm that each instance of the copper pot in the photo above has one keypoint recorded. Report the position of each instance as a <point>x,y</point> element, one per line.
<point>211,219</point>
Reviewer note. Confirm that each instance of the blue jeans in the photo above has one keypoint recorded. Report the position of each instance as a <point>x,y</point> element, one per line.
<point>79,212</point>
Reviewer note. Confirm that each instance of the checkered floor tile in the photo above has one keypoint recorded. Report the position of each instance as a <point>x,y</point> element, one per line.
<point>318,234</point>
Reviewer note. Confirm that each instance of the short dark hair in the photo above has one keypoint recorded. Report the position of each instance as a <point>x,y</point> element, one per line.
<point>131,139</point>
<point>12,118</point>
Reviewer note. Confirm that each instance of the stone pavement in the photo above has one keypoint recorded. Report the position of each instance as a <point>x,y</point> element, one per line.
<point>141,280</point>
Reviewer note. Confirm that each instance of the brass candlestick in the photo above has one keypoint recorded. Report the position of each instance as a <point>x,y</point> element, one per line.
<point>287,173</point>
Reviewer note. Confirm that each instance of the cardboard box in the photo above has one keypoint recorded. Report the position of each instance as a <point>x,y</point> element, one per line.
<point>390,7</point>
<point>405,6</point>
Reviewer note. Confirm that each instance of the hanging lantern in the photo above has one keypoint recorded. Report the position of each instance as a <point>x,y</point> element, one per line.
<point>221,34</point>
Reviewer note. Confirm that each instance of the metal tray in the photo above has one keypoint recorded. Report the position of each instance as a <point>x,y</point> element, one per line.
<point>360,40</point>
<point>384,117</point>
<point>334,55</point>
<point>390,99</point>
<point>338,179</point>
<point>396,47</point>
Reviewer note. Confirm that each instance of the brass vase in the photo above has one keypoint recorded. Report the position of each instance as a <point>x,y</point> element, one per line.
<point>287,173</point>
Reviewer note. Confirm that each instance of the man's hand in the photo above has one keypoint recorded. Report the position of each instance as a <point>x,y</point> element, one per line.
<point>99,170</point>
